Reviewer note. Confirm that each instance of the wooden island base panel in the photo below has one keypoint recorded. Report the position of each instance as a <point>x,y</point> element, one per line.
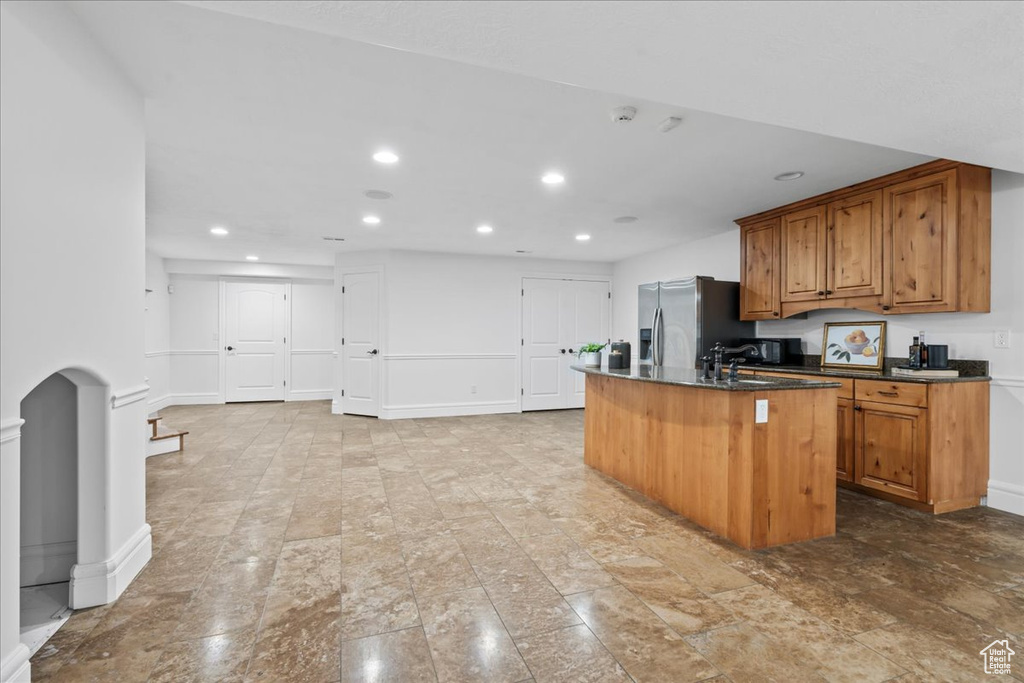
<point>699,452</point>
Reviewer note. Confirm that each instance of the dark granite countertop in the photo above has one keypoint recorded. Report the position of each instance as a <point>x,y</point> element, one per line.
<point>691,378</point>
<point>970,371</point>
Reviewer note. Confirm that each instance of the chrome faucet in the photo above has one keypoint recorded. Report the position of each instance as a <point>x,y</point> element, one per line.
<point>719,350</point>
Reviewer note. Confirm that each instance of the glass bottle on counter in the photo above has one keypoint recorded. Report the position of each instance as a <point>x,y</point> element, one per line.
<point>914,357</point>
<point>924,352</point>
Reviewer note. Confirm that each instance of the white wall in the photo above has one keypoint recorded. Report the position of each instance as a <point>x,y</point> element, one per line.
<point>49,482</point>
<point>194,314</point>
<point>717,256</point>
<point>72,280</point>
<point>452,322</point>
<point>158,333</point>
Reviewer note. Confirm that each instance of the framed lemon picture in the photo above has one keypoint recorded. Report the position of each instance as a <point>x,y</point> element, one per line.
<point>854,345</point>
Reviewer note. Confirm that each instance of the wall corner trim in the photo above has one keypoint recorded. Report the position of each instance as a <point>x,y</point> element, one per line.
<point>10,429</point>
<point>98,583</point>
<point>15,667</point>
<point>127,396</point>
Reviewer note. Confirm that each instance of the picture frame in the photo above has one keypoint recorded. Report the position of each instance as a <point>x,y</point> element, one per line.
<point>857,346</point>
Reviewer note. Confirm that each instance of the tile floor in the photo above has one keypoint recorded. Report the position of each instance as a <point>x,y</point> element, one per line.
<point>292,545</point>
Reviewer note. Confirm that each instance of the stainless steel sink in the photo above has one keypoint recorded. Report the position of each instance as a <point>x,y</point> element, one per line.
<point>753,381</point>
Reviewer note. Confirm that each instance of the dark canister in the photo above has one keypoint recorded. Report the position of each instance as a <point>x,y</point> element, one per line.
<point>616,361</point>
<point>623,348</point>
<point>938,356</point>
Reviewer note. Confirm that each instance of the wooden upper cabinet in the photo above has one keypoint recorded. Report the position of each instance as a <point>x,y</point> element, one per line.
<point>759,277</point>
<point>920,219</point>
<point>804,255</point>
<point>854,267</point>
<point>915,241</point>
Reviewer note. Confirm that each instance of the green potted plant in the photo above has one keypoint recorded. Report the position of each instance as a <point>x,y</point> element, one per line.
<point>591,354</point>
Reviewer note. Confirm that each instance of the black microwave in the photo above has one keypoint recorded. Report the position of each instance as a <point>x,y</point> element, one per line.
<point>772,351</point>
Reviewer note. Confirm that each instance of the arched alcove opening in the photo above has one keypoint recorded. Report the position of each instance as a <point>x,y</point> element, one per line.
<point>63,437</point>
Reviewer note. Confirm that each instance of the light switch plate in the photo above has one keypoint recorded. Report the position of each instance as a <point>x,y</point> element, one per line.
<point>1001,339</point>
<point>761,411</point>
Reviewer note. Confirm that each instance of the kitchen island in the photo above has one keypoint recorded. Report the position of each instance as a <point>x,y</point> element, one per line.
<point>699,448</point>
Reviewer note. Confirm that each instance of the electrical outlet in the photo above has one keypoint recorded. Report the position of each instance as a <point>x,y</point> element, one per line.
<point>761,411</point>
<point>1001,339</point>
<point>472,389</point>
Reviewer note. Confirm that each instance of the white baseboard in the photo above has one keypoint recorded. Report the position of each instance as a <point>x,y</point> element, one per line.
<point>1006,497</point>
<point>47,562</point>
<point>310,395</point>
<point>161,446</point>
<point>15,667</point>
<point>99,583</point>
<point>212,398</point>
<point>335,407</point>
<point>448,410</point>
<point>158,404</point>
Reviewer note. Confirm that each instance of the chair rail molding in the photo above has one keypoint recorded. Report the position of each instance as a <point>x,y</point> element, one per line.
<point>124,397</point>
<point>10,429</point>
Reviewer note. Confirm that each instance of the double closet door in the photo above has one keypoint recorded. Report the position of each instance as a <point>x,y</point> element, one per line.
<point>559,316</point>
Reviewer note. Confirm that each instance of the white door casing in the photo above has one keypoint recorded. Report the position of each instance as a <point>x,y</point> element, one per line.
<point>559,315</point>
<point>255,329</point>
<point>360,350</point>
<point>589,324</point>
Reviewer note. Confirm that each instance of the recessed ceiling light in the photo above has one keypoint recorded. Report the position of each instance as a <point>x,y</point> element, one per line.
<point>385,157</point>
<point>218,230</point>
<point>790,175</point>
<point>252,258</point>
<point>378,194</point>
<point>582,238</point>
<point>523,251</point>
<point>625,219</point>
<point>484,229</point>
<point>371,220</point>
<point>334,239</point>
<point>552,178</point>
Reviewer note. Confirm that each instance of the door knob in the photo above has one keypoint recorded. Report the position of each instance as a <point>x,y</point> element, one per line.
<point>229,348</point>
<point>571,351</point>
<point>562,350</point>
<point>372,353</point>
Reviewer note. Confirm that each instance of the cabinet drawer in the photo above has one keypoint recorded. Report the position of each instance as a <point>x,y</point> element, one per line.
<point>845,391</point>
<point>899,393</point>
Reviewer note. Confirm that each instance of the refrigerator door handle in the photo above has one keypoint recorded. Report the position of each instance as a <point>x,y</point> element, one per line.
<point>656,337</point>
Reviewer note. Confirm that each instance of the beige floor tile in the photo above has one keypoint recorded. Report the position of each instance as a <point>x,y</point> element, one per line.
<point>397,656</point>
<point>570,654</point>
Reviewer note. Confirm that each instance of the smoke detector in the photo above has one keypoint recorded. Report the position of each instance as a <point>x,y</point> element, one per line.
<point>623,114</point>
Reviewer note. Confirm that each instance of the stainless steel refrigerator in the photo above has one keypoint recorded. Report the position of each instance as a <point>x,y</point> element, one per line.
<point>680,320</point>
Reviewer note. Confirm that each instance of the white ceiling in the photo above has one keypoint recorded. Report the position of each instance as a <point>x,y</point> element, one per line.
<point>941,78</point>
<point>269,129</point>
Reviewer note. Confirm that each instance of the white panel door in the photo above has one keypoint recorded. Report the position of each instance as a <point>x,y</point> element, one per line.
<point>360,350</point>
<point>558,317</point>
<point>255,335</point>
<point>544,346</point>
<point>589,324</point>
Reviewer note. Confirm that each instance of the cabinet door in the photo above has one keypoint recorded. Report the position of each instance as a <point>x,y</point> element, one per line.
<point>759,275</point>
<point>920,221</point>
<point>855,246</point>
<point>759,285</point>
<point>891,444</point>
<point>844,439</point>
<point>803,255</point>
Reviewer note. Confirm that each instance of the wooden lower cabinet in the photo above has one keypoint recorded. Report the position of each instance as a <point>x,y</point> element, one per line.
<point>920,445</point>
<point>845,440</point>
<point>891,442</point>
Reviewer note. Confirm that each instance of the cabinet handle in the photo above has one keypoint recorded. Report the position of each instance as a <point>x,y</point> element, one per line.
<point>821,293</point>
<point>856,407</point>
<point>828,291</point>
<point>894,394</point>
<point>885,308</point>
<point>775,313</point>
